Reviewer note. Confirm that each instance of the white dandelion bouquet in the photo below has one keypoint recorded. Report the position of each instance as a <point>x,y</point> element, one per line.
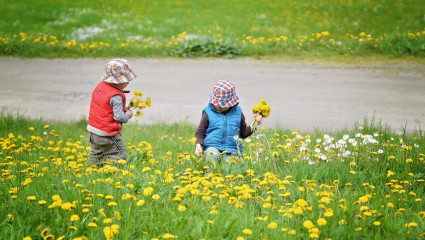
<point>263,109</point>
<point>137,104</point>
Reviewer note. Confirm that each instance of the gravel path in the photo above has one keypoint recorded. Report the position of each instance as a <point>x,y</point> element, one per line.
<point>303,95</point>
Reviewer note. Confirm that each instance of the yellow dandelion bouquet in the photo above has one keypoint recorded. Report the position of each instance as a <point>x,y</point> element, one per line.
<point>263,109</point>
<point>137,104</point>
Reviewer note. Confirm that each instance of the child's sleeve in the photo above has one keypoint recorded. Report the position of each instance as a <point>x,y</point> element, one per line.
<point>119,114</point>
<point>201,132</point>
<point>246,130</point>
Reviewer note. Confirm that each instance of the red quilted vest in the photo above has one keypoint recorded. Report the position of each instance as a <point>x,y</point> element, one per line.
<point>101,115</point>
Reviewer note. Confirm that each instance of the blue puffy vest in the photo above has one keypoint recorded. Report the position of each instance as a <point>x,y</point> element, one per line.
<point>223,128</point>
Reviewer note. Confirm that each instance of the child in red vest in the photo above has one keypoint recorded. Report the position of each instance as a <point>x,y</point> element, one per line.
<point>108,113</point>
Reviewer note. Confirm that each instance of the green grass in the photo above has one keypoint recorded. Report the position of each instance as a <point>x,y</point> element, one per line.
<point>212,28</point>
<point>365,183</point>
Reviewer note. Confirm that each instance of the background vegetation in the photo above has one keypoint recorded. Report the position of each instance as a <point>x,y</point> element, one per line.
<point>212,28</point>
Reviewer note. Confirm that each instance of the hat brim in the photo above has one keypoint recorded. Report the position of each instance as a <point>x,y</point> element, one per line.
<point>120,79</point>
<point>224,103</point>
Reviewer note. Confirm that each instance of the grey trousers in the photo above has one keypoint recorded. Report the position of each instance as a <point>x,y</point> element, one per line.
<point>106,147</point>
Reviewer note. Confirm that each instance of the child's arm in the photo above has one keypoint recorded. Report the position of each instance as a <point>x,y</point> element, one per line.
<point>119,114</point>
<point>246,130</point>
<point>200,134</point>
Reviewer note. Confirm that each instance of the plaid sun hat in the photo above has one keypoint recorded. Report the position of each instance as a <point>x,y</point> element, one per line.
<point>118,71</point>
<point>224,94</point>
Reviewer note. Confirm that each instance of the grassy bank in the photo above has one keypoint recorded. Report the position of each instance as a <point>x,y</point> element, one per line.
<point>364,183</point>
<point>211,28</point>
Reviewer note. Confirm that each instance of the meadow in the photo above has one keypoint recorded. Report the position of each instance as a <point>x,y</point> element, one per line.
<point>363,183</point>
<point>213,28</point>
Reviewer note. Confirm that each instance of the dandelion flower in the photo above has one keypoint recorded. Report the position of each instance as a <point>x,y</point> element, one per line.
<point>107,220</point>
<point>321,222</point>
<point>272,225</point>
<point>147,191</point>
<point>181,208</point>
<point>45,232</point>
<point>140,202</point>
<point>247,231</point>
<point>376,223</point>
<point>74,218</point>
<point>31,198</point>
<point>109,197</point>
<point>168,236</point>
<point>92,225</point>
<point>308,224</point>
<point>156,197</point>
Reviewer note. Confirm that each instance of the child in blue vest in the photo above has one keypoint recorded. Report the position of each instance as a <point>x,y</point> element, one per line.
<point>222,124</point>
<point>108,113</point>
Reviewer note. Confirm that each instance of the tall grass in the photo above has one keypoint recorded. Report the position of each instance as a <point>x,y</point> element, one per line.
<point>211,28</point>
<point>362,183</point>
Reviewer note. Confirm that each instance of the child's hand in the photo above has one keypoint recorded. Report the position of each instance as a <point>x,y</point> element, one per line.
<point>258,118</point>
<point>198,150</point>
<point>129,113</point>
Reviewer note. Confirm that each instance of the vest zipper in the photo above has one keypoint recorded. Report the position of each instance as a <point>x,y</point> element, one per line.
<point>225,133</point>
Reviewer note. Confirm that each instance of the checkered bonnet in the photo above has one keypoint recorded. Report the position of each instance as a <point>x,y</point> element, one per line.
<point>118,71</point>
<point>224,94</point>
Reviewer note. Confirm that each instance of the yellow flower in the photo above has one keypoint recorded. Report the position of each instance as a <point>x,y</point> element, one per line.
<point>147,191</point>
<point>321,222</point>
<point>210,222</point>
<point>411,224</point>
<point>308,224</point>
<point>155,197</point>
<point>181,208</point>
<point>107,220</point>
<point>31,128</point>
<point>31,198</point>
<point>92,225</point>
<point>272,225</point>
<point>168,236</point>
<point>117,215</point>
<point>74,218</point>
<point>376,223</point>
<point>390,173</point>
<point>122,161</point>
<point>45,232</point>
<point>140,202</point>
<point>27,181</point>
<point>358,229</point>
<point>27,238</point>
<point>247,231</point>
<point>240,238</point>
<point>56,197</point>
<point>68,206</point>
<point>112,204</point>
<point>109,197</point>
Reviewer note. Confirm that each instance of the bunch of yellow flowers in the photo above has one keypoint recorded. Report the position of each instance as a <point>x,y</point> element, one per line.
<point>138,104</point>
<point>262,108</point>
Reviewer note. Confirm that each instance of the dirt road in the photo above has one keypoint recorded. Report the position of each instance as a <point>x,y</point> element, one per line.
<point>303,96</point>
